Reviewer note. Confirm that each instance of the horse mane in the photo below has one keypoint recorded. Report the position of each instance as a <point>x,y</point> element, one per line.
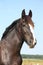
<point>9,27</point>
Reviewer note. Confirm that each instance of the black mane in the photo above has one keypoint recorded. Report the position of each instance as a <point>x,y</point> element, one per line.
<point>9,27</point>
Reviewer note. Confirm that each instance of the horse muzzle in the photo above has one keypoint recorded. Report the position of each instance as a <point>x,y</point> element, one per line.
<point>33,45</point>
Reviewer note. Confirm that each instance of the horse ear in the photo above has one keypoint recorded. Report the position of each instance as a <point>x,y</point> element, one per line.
<point>30,13</point>
<point>23,13</point>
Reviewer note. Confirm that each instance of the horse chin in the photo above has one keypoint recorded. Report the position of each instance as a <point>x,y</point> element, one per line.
<point>32,46</point>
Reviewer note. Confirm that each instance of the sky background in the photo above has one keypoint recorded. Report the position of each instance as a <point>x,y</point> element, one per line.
<point>11,10</point>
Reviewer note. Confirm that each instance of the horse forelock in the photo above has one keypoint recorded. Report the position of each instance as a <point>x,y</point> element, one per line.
<point>30,21</point>
<point>32,24</point>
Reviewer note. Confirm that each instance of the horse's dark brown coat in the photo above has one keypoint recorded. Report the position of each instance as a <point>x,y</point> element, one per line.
<point>12,41</point>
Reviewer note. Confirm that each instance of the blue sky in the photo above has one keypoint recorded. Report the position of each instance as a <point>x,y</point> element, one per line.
<point>10,10</point>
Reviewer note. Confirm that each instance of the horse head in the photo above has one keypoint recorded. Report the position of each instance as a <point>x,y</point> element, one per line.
<point>28,27</point>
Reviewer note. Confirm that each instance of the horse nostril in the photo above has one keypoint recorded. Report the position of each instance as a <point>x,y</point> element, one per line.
<point>35,43</point>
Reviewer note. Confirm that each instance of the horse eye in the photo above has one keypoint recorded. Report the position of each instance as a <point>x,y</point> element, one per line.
<point>23,25</point>
<point>30,41</point>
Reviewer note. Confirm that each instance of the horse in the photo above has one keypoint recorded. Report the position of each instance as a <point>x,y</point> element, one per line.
<point>12,39</point>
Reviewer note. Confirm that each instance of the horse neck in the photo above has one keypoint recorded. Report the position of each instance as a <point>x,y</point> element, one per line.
<point>15,35</point>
